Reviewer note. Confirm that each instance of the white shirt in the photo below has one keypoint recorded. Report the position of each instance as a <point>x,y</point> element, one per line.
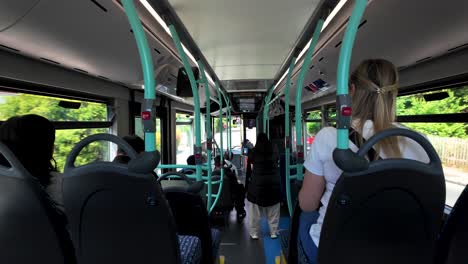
<point>320,162</point>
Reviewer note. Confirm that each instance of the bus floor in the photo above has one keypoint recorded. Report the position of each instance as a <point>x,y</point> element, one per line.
<point>237,246</point>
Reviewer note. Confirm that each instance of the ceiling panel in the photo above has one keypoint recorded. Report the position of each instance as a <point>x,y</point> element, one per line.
<point>404,32</point>
<point>245,39</point>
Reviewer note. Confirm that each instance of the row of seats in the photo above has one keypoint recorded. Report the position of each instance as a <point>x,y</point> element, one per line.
<point>451,244</point>
<point>387,211</point>
<point>116,212</point>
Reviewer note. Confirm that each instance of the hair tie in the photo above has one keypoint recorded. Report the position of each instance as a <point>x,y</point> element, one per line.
<point>386,89</point>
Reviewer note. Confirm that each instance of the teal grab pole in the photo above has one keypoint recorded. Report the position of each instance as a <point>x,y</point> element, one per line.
<point>266,109</point>
<point>298,102</point>
<point>344,61</point>
<point>148,73</point>
<point>196,98</point>
<point>228,117</point>
<point>220,128</point>
<point>180,166</point>
<point>220,118</point>
<point>209,141</point>
<point>287,137</point>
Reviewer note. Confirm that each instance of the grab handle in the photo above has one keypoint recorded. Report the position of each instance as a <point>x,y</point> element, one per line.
<point>70,163</point>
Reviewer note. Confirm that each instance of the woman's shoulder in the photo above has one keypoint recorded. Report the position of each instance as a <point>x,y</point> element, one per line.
<point>325,133</point>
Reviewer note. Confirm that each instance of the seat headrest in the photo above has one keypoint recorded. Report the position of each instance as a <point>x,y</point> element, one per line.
<point>145,162</point>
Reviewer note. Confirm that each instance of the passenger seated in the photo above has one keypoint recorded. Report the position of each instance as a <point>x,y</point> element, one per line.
<point>136,142</point>
<point>190,161</point>
<point>237,189</point>
<point>228,163</point>
<point>373,87</point>
<point>31,138</point>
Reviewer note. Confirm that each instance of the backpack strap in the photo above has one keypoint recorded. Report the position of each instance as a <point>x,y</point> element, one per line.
<point>354,137</point>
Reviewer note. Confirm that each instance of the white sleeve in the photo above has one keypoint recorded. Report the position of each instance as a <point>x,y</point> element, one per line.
<point>314,161</point>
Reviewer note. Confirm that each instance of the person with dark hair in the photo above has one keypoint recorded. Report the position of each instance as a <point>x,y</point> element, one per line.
<point>190,161</point>
<point>237,189</point>
<point>136,142</point>
<point>31,139</point>
<point>263,190</point>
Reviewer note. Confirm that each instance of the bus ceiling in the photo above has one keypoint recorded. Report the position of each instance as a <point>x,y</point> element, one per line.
<point>244,45</point>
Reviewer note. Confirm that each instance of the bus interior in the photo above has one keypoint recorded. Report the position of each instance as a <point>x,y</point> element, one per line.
<point>204,78</point>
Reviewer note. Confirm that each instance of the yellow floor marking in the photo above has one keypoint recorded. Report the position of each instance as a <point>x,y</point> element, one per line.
<point>278,260</point>
<point>221,259</point>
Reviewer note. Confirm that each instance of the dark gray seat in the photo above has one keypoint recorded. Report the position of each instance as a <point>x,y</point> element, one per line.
<point>30,228</point>
<point>453,241</point>
<point>190,213</point>
<point>387,211</point>
<point>117,212</point>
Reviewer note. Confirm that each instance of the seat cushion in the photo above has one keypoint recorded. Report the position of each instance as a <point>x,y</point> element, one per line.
<point>190,249</point>
<point>215,240</point>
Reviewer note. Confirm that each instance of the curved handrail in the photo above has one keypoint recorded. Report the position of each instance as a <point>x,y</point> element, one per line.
<point>196,97</point>
<point>287,136</point>
<point>70,162</point>
<point>148,74</point>
<point>342,98</point>
<point>298,98</point>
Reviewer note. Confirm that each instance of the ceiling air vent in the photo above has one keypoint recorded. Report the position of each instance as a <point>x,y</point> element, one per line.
<point>338,44</point>
<point>458,47</point>
<point>99,5</point>
<point>80,70</point>
<point>103,77</point>
<point>9,48</point>
<point>362,24</point>
<point>51,61</point>
<point>425,59</point>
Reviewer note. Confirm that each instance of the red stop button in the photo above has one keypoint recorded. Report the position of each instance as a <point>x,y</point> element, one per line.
<point>146,115</point>
<point>346,111</point>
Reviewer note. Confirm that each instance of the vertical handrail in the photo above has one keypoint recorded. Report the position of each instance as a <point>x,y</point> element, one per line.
<point>220,129</point>
<point>228,117</point>
<point>148,116</point>
<point>298,102</point>
<point>196,100</point>
<point>266,109</point>
<point>209,140</point>
<point>343,101</point>
<point>287,137</point>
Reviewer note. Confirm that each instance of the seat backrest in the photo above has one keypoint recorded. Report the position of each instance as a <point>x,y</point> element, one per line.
<point>453,241</point>
<point>388,212</point>
<point>117,212</point>
<point>225,199</point>
<point>191,218</point>
<point>29,228</point>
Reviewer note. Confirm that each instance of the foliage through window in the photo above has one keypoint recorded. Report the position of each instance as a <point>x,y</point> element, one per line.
<point>14,104</point>
<point>449,139</point>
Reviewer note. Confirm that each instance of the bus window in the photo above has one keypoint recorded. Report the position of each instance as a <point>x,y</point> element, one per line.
<point>184,137</point>
<point>449,139</point>
<point>59,110</point>
<point>313,124</point>
<point>139,131</point>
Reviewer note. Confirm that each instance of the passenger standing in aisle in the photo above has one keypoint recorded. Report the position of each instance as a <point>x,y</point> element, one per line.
<point>264,187</point>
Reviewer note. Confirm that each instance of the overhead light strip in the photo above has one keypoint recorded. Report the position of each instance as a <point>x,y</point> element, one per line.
<point>326,23</point>
<point>166,28</point>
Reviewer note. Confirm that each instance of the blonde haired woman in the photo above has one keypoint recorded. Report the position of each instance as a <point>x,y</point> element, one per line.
<point>373,87</point>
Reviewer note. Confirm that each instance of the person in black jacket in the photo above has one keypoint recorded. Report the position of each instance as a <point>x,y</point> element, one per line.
<point>31,138</point>
<point>263,190</point>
